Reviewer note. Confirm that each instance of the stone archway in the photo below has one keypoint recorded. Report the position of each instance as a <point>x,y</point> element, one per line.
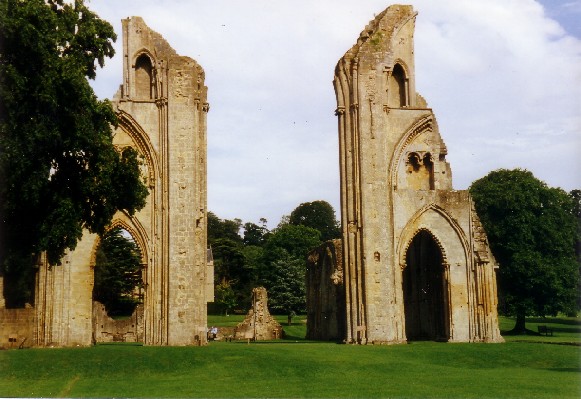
<point>128,326</point>
<point>424,290</point>
<point>161,106</point>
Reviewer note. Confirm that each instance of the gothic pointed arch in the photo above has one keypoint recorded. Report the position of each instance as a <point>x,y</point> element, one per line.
<point>143,143</point>
<point>398,95</point>
<point>426,288</point>
<point>134,227</point>
<point>437,242</point>
<point>440,224</point>
<point>144,82</point>
<point>423,125</point>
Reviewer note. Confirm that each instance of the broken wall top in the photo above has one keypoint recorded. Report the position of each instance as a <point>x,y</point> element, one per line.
<point>387,40</point>
<point>145,48</point>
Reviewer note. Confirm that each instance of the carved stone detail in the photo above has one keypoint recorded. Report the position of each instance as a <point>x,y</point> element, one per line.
<point>424,222</point>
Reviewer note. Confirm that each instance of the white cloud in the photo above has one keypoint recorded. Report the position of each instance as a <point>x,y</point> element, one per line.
<point>503,80</point>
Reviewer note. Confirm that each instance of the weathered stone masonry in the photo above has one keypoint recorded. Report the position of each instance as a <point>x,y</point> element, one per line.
<point>415,259</point>
<point>162,106</point>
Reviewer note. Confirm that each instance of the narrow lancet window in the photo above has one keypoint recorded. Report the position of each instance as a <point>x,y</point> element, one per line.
<point>143,78</point>
<point>397,88</point>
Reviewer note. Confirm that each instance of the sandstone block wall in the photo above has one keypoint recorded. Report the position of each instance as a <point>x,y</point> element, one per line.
<point>258,324</point>
<point>161,106</point>
<point>17,328</point>
<point>106,329</point>
<point>411,265</point>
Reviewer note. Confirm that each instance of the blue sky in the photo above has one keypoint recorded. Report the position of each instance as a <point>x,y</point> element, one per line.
<point>502,76</point>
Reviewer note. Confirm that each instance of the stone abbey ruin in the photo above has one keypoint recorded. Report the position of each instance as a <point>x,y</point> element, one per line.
<point>413,261</point>
<point>162,107</point>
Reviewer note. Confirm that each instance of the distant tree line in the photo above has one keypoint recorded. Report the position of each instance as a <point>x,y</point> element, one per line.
<point>250,255</point>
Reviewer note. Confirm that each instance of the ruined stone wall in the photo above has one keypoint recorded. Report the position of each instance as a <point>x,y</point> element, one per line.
<point>395,184</point>
<point>258,324</point>
<point>16,328</point>
<point>325,293</point>
<point>161,106</point>
<point>107,329</point>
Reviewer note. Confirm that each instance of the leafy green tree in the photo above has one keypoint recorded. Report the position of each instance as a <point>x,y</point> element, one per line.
<point>576,195</point>
<point>319,215</point>
<point>241,264</point>
<point>285,255</point>
<point>297,241</point>
<point>223,228</point>
<point>228,260</point>
<point>225,296</point>
<point>254,234</point>
<point>532,231</point>
<point>230,268</point>
<point>59,170</point>
<point>254,265</point>
<point>286,284</point>
<point>117,273</point>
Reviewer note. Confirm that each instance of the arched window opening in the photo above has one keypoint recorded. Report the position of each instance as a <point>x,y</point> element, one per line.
<point>397,88</point>
<point>424,287</point>
<point>118,273</point>
<point>420,171</point>
<point>144,85</point>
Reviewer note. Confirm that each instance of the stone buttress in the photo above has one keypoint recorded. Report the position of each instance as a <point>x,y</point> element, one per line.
<point>416,261</point>
<point>162,107</point>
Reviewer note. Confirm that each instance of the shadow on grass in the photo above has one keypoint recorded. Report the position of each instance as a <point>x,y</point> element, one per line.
<point>279,341</point>
<point>555,320</point>
<point>566,369</point>
<point>566,330</point>
<point>514,333</point>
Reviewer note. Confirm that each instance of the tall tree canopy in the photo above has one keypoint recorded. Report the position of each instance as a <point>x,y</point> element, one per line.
<point>117,273</point>
<point>286,285</point>
<point>576,194</point>
<point>59,170</point>
<point>223,228</point>
<point>319,215</point>
<point>254,234</point>
<point>532,231</point>
<point>285,258</point>
<point>297,241</point>
<point>273,259</point>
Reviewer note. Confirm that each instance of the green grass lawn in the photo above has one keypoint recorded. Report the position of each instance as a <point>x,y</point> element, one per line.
<point>298,368</point>
<point>565,329</point>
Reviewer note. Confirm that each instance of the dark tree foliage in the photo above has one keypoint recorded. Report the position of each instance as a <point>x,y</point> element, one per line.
<point>297,241</point>
<point>254,265</point>
<point>223,228</point>
<point>286,284</point>
<point>117,273</point>
<point>225,297</point>
<point>231,272</point>
<point>273,259</point>
<point>576,195</point>
<point>228,261</point>
<point>59,170</point>
<point>254,234</point>
<point>532,231</point>
<point>285,258</point>
<point>319,215</point>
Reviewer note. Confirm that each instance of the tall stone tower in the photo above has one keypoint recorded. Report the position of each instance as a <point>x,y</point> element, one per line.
<point>416,263</point>
<point>162,106</point>
<point>163,95</point>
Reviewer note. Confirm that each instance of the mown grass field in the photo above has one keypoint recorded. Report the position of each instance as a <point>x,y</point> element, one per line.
<point>297,368</point>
